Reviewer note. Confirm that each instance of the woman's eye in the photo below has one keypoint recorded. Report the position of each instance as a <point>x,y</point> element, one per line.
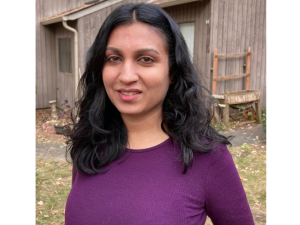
<point>146,60</point>
<point>113,59</point>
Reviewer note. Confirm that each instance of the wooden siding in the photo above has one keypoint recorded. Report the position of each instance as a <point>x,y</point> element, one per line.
<point>65,83</point>
<point>45,60</point>
<point>48,78</point>
<point>55,7</point>
<point>197,12</point>
<point>235,25</point>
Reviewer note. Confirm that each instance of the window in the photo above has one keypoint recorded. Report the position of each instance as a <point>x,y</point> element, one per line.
<point>188,30</point>
<point>65,59</point>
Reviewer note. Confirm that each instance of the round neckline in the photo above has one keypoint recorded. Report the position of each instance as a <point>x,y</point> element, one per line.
<point>150,148</point>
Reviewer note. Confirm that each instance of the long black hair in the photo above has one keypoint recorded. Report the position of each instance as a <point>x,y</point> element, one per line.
<point>100,136</point>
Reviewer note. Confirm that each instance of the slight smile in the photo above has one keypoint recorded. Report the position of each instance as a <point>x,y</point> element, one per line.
<point>129,94</point>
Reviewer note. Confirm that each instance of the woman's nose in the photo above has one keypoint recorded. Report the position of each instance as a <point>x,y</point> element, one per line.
<point>128,73</point>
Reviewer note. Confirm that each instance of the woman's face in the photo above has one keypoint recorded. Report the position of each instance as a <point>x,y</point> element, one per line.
<point>136,71</point>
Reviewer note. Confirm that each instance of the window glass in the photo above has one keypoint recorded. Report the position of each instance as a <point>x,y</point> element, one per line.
<point>65,62</point>
<point>188,30</point>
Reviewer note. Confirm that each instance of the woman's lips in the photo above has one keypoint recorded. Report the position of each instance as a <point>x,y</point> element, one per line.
<point>128,96</point>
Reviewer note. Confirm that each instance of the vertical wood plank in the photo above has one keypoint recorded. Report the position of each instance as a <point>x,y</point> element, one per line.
<point>263,65</point>
<point>235,45</point>
<point>87,33</point>
<point>39,86</point>
<point>53,62</point>
<point>255,49</point>
<point>215,71</point>
<point>48,64</point>
<point>201,42</point>
<point>197,53</point>
<point>45,9</point>
<point>248,24</point>
<point>206,37</point>
<point>229,84</point>
<point>260,27</point>
<point>54,7</point>
<point>252,37</point>
<point>214,33</point>
<point>241,38</point>
<point>219,42</point>
<point>43,61</point>
<point>93,19</point>
<point>248,70</point>
<point>81,52</point>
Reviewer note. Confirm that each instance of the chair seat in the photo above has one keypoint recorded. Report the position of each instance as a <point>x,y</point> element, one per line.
<point>239,97</point>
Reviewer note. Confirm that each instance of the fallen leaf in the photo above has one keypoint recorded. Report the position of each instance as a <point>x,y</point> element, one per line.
<point>40,203</point>
<point>59,179</point>
<point>46,216</point>
<point>256,137</point>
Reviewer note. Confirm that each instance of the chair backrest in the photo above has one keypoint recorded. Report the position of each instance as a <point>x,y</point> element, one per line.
<point>215,68</point>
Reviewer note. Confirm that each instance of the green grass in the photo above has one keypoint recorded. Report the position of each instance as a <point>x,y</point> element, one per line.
<point>250,162</point>
<point>53,184</point>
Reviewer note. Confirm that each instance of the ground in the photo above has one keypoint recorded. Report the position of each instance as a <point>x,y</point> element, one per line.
<point>53,173</point>
<point>45,132</point>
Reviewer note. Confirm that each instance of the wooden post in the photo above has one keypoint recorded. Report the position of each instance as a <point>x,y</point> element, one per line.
<point>253,115</point>
<point>248,69</point>
<point>258,112</point>
<point>215,71</point>
<point>246,115</point>
<point>226,116</point>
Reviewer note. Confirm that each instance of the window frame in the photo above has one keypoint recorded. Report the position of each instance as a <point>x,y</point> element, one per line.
<point>58,58</point>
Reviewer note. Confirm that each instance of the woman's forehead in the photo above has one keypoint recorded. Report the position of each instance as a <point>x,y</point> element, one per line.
<point>136,34</point>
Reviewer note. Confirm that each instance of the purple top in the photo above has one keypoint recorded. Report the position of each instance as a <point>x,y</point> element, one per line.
<point>147,187</point>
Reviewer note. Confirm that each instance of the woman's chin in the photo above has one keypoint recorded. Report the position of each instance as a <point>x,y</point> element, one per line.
<point>130,112</point>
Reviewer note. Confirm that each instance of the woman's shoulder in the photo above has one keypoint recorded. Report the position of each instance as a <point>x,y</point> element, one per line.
<point>219,151</point>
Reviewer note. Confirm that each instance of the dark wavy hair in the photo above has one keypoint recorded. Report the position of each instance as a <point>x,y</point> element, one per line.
<point>100,136</point>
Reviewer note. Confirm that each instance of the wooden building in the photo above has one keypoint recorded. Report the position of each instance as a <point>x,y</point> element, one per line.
<point>228,25</point>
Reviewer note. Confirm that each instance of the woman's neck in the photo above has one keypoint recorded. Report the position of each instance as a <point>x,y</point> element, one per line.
<point>144,131</point>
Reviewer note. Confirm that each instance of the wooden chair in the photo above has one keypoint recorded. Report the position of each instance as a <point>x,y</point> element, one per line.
<point>240,99</point>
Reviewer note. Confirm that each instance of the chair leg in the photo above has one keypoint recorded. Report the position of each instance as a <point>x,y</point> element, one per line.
<point>253,115</point>
<point>246,115</point>
<point>226,116</point>
<point>258,112</point>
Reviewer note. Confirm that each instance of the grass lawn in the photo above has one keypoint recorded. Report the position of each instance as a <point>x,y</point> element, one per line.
<point>53,184</point>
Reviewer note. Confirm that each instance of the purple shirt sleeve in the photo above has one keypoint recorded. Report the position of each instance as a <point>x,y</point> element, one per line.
<point>226,201</point>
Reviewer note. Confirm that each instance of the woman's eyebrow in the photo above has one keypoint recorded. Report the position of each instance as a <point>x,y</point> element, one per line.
<point>114,49</point>
<point>144,50</point>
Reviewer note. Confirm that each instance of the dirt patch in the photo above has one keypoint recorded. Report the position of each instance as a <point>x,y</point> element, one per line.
<point>45,132</point>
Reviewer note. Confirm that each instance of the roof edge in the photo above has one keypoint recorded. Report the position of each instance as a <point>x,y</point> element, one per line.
<point>94,8</point>
<point>81,13</point>
<point>173,3</point>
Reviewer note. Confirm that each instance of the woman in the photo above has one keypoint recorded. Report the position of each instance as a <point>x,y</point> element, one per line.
<point>143,151</point>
